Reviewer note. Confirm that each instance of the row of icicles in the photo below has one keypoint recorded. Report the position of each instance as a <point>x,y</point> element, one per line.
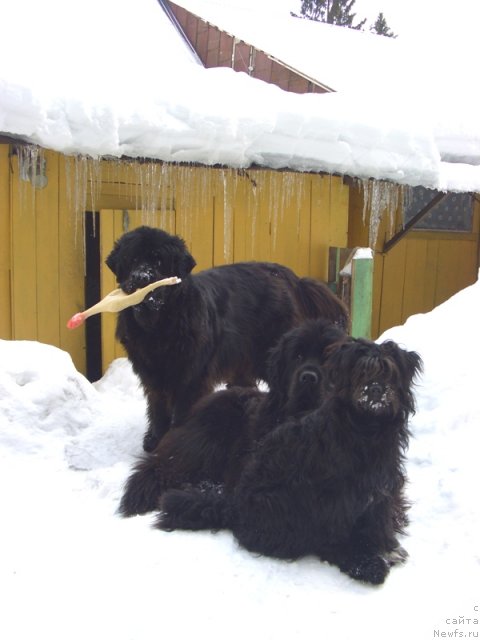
<point>84,176</point>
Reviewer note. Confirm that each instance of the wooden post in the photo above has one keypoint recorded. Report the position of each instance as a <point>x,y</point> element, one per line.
<point>337,257</point>
<point>362,293</point>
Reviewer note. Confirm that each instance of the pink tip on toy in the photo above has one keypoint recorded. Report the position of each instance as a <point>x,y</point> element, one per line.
<point>76,320</point>
<point>118,300</point>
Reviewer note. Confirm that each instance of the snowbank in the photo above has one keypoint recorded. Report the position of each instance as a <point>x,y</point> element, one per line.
<point>71,568</point>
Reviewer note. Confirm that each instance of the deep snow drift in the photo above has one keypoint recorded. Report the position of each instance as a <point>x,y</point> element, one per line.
<point>71,568</point>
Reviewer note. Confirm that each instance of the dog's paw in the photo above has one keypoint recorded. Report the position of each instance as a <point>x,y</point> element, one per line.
<point>398,555</point>
<point>165,521</point>
<point>373,570</point>
<point>150,442</point>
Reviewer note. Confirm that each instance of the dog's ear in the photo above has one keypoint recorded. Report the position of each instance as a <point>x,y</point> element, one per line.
<point>414,363</point>
<point>410,362</point>
<point>185,265</point>
<point>112,259</point>
<point>276,371</point>
<point>338,365</point>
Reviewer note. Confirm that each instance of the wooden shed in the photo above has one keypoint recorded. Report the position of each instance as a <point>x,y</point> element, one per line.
<point>60,215</point>
<point>55,237</point>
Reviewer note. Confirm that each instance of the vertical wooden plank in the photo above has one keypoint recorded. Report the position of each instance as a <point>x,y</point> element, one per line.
<point>245,240</point>
<point>223,231</point>
<point>200,205</point>
<point>123,221</point>
<point>24,257</point>
<point>304,203</point>
<point>258,211</point>
<point>194,213</point>
<point>47,258</point>
<point>415,269</point>
<point>236,196</point>
<point>454,269</point>
<point>292,241</point>
<point>392,288</point>
<point>5,246</point>
<point>430,275</point>
<point>276,205</point>
<point>71,267</point>
<point>338,220</point>
<point>108,235</point>
<point>320,217</point>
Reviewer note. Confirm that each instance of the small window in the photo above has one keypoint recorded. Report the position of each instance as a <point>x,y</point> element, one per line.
<point>453,213</point>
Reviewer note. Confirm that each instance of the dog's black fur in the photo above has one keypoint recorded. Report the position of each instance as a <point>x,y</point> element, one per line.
<point>329,483</point>
<point>216,326</point>
<point>223,427</point>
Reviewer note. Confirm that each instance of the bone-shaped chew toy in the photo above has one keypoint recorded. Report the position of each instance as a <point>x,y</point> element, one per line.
<point>117,300</point>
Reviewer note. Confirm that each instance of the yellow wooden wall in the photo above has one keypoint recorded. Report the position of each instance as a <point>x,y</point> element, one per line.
<point>5,251</point>
<point>41,265</point>
<point>423,270</point>
<point>224,215</point>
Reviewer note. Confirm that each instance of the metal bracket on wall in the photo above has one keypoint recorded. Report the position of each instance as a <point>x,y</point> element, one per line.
<point>413,221</point>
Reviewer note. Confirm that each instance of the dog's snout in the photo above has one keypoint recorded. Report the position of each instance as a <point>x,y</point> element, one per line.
<point>139,278</point>
<point>309,376</point>
<point>375,391</point>
<point>143,279</point>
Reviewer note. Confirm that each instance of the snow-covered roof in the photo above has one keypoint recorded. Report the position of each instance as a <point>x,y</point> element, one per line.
<point>123,83</point>
<point>317,50</point>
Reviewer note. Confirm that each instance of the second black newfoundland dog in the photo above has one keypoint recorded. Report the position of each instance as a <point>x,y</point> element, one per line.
<point>223,428</point>
<point>329,483</point>
<point>216,326</point>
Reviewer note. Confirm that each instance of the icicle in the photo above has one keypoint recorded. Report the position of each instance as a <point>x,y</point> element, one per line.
<point>31,166</point>
<point>406,199</point>
<point>380,198</point>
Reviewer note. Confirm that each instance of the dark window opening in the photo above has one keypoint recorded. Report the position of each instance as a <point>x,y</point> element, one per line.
<point>453,213</point>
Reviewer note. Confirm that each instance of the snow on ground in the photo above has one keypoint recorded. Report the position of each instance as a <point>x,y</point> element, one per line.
<point>71,568</point>
<point>123,83</point>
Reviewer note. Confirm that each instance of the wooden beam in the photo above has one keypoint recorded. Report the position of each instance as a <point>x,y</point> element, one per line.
<point>411,223</point>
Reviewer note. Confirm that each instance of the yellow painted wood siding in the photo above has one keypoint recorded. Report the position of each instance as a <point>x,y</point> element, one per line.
<point>420,272</point>
<point>47,274</point>
<point>5,247</point>
<point>224,215</point>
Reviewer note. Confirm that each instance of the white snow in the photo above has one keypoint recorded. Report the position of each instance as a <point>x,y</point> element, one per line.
<point>113,78</point>
<point>363,253</point>
<point>71,568</point>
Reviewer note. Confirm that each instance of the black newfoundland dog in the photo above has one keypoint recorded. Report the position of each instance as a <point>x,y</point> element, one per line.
<point>216,326</point>
<point>329,483</point>
<point>219,435</point>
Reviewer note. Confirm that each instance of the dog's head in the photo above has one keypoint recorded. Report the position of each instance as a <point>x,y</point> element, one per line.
<point>374,380</point>
<point>145,255</point>
<point>294,371</point>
